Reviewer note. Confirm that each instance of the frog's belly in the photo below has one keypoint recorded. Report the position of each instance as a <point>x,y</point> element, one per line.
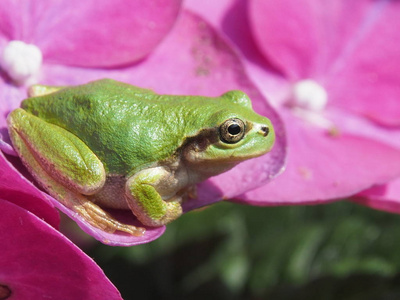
<point>112,195</point>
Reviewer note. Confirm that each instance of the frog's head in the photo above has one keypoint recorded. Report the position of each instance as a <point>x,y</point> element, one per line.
<point>231,134</point>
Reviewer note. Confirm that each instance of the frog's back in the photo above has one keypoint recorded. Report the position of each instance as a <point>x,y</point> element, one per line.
<point>88,98</point>
<point>125,126</point>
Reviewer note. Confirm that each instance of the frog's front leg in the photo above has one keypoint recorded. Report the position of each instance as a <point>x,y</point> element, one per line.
<point>152,195</point>
<point>66,168</point>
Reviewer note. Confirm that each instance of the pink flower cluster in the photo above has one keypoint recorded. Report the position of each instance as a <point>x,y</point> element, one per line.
<point>324,72</point>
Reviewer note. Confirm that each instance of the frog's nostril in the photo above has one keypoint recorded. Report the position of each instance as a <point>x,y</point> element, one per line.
<point>264,130</point>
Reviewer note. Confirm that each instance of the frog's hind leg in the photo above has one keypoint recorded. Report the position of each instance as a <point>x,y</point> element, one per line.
<point>66,168</point>
<point>61,154</point>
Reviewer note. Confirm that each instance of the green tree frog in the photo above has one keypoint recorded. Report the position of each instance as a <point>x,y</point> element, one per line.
<point>108,144</point>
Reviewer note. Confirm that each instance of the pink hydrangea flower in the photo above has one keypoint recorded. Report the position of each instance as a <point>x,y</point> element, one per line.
<point>331,70</point>
<point>31,269</point>
<point>192,59</point>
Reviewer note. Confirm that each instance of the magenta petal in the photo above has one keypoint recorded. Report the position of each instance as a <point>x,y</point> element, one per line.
<point>37,262</point>
<point>13,185</point>
<point>365,79</point>
<point>11,21</point>
<point>295,55</point>
<point>361,126</point>
<point>304,37</point>
<point>16,188</point>
<point>384,197</point>
<point>351,46</point>
<point>324,167</point>
<point>100,32</point>
<point>10,98</point>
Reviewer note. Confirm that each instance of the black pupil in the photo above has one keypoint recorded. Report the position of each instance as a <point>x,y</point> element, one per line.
<point>234,129</point>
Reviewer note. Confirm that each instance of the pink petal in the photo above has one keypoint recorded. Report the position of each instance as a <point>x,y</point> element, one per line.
<point>361,126</point>
<point>383,197</point>
<point>90,33</point>
<point>365,79</point>
<point>350,46</point>
<point>324,167</point>
<point>13,185</point>
<point>11,21</point>
<point>10,98</point>
<point>37,262</point>
<point>213,11</point>
<point>16,188</point>
<point>230,18</point>
<point>203,64</point>
<point>303,37</point>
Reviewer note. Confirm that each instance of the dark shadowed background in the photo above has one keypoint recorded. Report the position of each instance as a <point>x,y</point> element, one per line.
<point>228,251</point>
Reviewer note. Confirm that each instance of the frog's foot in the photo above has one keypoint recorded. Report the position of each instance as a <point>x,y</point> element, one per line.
<point>166,212</point>
<point>189,192</point>
<point>144,195</point>
<point>97,217</point>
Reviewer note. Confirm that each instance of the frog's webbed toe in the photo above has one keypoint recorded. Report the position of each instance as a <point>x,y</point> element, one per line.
<point>97,217</point>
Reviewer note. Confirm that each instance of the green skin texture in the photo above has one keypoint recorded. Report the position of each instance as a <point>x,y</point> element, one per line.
<point>111,144</point>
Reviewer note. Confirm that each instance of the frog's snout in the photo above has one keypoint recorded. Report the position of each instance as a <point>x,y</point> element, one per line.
<point>264,130</point>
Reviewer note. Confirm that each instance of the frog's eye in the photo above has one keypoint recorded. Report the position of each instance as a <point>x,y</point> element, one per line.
<point>232,131</point>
